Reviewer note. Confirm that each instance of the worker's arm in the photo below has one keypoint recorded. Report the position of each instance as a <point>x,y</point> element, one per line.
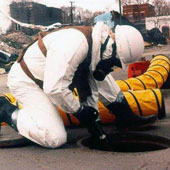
<point>59,72</point>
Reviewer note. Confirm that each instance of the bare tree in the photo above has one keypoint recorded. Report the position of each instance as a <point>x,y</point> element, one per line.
<point>162,7</point>
<point>141,1</point>
<point>80,15</point>
<point>129,2</point>
<point>66,12</point>
<point>126,2</point>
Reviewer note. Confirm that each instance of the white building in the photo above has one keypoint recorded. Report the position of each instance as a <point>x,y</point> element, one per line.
<point>161,22</point>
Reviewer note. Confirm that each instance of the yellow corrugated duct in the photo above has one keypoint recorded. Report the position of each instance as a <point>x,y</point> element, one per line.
<point>155,76</point>
<point>143,102</point>
<point>146,102</point>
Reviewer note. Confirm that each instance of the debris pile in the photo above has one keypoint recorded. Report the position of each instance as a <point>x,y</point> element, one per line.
<point>155,36</point>
<point>14,42</point>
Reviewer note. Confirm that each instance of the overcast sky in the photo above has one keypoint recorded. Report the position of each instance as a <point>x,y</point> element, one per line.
<point>88,4</point>
<point>93,5</point>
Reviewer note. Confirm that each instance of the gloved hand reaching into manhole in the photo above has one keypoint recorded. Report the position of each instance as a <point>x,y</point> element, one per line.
<point>89,117</point>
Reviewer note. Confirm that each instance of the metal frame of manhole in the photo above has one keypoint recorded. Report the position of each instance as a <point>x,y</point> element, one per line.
<point>131,139</point>
<point>9,138</point>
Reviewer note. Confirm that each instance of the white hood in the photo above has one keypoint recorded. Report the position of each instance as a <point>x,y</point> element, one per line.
<point>99,35</point>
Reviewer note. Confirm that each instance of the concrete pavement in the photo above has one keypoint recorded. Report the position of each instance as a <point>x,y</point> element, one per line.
<point>73,157</point>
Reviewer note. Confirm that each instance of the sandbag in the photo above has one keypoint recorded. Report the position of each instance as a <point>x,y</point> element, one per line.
<point>155,76</point>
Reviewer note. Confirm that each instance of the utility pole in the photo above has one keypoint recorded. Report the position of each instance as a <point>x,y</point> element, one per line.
<point>120,8</point>
<point>71,11</point>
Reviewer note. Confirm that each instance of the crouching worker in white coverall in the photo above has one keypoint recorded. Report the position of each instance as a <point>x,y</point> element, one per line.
<point>45,77</point>
<point>127,48</point>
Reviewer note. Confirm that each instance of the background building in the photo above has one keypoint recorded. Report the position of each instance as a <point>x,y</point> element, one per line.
<point>137,14</point>
<point>34,13</point>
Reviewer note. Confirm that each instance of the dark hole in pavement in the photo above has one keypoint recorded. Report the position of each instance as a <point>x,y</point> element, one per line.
<point>127,142</point>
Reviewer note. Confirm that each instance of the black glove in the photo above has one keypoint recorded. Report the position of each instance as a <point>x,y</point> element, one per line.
<point>86,115</point>
<point>103,68</point>
<point>89,117</point>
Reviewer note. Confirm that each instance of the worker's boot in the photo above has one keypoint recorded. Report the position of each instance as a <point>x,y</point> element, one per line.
<point>8,112</point>
<point>125,118</point>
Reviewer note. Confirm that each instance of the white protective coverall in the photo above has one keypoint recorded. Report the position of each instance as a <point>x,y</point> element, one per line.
<point>39,120</point>
<point>108,90</point>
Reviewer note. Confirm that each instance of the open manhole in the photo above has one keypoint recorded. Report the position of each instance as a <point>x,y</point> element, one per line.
<point>127,142</point>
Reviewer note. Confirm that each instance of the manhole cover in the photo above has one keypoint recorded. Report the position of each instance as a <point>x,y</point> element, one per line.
<point>10,138</point>
<point>127,142</point>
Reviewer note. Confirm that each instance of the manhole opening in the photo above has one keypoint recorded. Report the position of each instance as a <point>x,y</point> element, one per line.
<point>127,142</point>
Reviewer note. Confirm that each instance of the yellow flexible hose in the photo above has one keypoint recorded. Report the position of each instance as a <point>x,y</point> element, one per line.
<point>145,99</point>
<point>155,76</point>
<point>143,102</point>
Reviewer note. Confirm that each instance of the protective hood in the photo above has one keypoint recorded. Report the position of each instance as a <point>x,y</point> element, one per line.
<point>99,35</point>
<point>106,18</point>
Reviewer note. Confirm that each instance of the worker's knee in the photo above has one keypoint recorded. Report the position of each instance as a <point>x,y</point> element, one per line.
<point>49,138</point>
<point>55,140</point>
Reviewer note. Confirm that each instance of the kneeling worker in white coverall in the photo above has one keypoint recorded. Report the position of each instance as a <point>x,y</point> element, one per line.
<point>63,60</point>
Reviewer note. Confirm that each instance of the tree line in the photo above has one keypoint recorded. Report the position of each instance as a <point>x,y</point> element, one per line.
<point>80,15</point>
